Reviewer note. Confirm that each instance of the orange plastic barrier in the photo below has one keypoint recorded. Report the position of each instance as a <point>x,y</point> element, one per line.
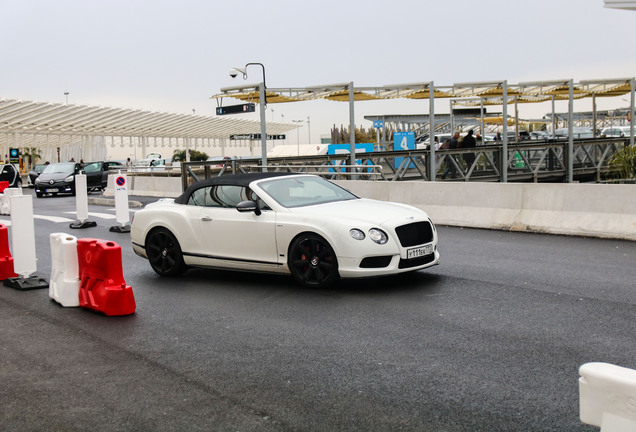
<point>102,284</point>
<point>3,185</point>
<point>6,260</point>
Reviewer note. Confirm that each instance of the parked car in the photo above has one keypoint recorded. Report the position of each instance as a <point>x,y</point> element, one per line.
<point>423,145</point>
<point>223,160</point>
<point>9,173</point>
<point>577,133</point>
<point>615,132</point>
<point>540,135</point>
<point>34,173</point>
<point>57,178</point>
<point>298,224</point>
<point>97,173</point>
<point>60,177</point>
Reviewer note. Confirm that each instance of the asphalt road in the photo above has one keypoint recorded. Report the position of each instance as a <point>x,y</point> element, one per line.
<point>490,340</point>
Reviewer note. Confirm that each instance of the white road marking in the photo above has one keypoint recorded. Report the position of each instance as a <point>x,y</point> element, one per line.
<point>55,219</point>
<point>94,214</point>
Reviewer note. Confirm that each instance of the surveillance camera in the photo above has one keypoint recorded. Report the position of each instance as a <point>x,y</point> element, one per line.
<point>233,73</point>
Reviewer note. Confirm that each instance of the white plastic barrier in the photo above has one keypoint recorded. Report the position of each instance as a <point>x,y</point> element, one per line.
<point>23,235</point>
<point>608,397</point>
<point>5,199</point>
<point>65,283</point>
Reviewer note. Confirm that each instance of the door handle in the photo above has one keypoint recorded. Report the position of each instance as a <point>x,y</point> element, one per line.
<point>206,219</point>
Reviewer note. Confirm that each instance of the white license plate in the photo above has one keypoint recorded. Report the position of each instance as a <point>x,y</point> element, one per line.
<point>419,252</point>
<point>53,190</point>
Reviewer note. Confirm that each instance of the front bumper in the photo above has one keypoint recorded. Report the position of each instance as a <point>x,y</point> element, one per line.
<point>384,265</point>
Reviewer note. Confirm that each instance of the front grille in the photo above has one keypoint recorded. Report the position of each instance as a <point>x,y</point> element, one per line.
<point>376,262</point>
<point>415,262</point>
<point>415,234</point>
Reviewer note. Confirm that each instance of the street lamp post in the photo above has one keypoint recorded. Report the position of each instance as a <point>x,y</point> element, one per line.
<point>297,136</point>
<point>262,98</point>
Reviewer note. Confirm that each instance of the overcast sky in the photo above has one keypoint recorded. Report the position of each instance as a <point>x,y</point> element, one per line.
<point>171,56</point>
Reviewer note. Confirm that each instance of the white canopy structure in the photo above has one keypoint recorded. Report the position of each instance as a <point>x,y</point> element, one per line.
<point>60,131</point>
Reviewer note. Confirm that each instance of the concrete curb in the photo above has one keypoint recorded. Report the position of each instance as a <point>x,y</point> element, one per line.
<point>111,202</point>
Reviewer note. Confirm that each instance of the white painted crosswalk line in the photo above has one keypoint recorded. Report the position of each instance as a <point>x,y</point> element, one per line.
<point>56,219</point>
<point>95,214</point>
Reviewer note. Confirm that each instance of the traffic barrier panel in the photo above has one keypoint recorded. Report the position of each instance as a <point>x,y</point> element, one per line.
<point>6,260</point>
<point>5,199</point>
<point>64,283</point>
<point>3,185</point>
<point>608,397</point>
<point>102,284</point>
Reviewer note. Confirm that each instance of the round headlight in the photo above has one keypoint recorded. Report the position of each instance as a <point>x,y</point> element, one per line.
<point>378,236</point>
<point>356,234</point>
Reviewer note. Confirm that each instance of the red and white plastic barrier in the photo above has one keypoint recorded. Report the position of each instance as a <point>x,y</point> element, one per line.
<point>64,283</point>
<point>6,260</point>
<point>102,285</point>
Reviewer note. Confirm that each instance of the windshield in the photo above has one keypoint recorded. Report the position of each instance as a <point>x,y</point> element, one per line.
<point>304,191</point>
<point>68,167</point>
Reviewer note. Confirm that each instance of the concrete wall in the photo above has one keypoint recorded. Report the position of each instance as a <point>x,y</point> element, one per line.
<point>154,186</point>
<point>598,210</point>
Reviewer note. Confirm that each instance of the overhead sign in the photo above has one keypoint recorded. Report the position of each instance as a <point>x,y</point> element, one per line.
<point>14,155</point>
<point>256,137</point>
<point>236,109</point>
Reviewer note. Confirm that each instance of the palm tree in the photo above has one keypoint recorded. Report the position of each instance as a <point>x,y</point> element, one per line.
<point>32,153</point>
<point>180,155</point>
<point>623,163</point>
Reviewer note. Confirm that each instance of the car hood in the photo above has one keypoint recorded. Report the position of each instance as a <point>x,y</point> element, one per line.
<point>44,177</point>
<point>363,209</point>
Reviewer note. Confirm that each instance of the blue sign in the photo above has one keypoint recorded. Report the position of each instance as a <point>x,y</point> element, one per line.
<point>346,148</point>
<point>403,141</point>
<point>378,124</point>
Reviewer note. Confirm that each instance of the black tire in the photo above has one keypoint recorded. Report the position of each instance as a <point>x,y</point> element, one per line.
<point>164,253</point>
<point>312,261</point>
<point>18,184</point>
<point>39,194</point>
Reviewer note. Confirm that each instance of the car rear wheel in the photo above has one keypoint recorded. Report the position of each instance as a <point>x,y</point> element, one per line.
<point>164,253</point>
<point>312,261</point>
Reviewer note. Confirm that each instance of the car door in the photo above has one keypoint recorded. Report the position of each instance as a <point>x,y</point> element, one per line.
<point>93,171</point>
<point>8,174</point>
<point>241,239</point>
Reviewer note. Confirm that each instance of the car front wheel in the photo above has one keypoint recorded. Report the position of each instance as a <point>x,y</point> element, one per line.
<point>312,261</point>
<point>164,253</point>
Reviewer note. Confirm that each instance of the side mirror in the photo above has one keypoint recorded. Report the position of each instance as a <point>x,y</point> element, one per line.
<point>248,206</point>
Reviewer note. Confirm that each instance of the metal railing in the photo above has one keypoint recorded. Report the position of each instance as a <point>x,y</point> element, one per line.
<point>531,161</point>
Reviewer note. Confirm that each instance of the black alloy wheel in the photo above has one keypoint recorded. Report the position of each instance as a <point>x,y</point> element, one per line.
<point>312,261</point>
<point>164,253</point>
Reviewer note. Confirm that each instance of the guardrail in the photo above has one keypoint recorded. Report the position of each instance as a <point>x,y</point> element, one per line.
<point>529,161</point>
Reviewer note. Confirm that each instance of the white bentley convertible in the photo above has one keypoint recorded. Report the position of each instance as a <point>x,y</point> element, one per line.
<point>297,224</point>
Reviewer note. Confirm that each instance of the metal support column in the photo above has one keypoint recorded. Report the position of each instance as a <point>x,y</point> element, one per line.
<point>554,121</point>
<point>504,144</point>
<point>262,99</point>
<point>352,125</point>
<point>632,86</point>
<point>570,152</point>
<point>432,169</point>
